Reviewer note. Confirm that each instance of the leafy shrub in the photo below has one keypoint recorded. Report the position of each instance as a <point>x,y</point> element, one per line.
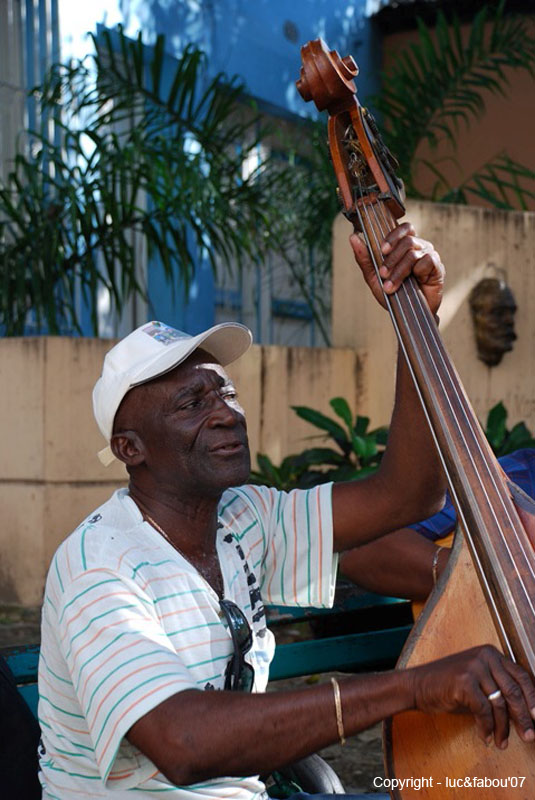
<point>357,451</point>
<point>502,440</point>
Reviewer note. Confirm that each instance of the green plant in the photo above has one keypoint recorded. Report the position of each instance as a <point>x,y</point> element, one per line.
<point>358,451</point>
<point>504,440</point>
<point>437,87</point>
<point>139,157</point>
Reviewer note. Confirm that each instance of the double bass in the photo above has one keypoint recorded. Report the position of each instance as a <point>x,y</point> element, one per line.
<point>487,592</point>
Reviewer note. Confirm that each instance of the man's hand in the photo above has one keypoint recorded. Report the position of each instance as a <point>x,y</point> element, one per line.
<point>403,253</point>
<point>481,681</point>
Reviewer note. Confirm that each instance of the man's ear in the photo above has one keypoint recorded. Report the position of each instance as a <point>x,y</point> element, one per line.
<point>128,448</point>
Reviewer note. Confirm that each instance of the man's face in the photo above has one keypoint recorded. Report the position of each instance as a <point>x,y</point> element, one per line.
<point>192,427</point>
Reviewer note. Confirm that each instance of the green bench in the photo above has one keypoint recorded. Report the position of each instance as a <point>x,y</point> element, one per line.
<point>362,632</point>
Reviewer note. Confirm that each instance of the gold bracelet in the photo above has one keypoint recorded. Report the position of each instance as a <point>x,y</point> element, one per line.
<point>434,565</point>
<point>338,710</point>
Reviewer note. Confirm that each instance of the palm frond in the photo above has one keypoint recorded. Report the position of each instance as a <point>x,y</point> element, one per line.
<point>142,151</point>
<point>503,183</point>
<point>439,84</point>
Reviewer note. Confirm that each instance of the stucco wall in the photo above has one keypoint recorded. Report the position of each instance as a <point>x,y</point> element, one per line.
<point>50,477</point>
<point>474,243</point>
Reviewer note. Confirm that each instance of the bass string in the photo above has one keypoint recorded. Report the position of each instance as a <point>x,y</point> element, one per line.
<point>415,303</point>
<point>479,442</point>
<point>403,291</point>
<point>522,575</point>
<point>414,297</point>
<point>418,317</point>
<point>503,633</point>
<point>432,331</point>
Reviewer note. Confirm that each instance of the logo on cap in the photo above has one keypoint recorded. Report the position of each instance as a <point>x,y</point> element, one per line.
<point>164,333</point>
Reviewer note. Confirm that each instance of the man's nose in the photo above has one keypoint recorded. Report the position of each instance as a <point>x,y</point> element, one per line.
<point>223,412</point>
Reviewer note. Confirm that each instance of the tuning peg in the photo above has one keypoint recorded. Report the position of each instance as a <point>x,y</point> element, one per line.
<point>303,87</point>
<point>351,65</point>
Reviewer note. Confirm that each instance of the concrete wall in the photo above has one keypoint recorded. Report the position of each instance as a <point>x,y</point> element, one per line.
<point>50,477</point>
<point>474,243</point>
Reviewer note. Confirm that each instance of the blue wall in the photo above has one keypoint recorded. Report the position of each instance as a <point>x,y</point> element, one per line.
<point>260,42</point>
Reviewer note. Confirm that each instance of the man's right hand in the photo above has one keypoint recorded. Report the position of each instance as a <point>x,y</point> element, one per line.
<point>483,682</point>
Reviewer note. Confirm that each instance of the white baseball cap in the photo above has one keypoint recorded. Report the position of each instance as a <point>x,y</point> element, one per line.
<point>151,350</point>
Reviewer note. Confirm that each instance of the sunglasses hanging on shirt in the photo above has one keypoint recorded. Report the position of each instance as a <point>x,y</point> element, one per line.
<point>239,675</point>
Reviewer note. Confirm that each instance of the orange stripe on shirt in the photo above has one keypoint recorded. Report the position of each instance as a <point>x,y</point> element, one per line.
<point>167,577</point>
<point>56,692</point>
<point>101,630</point>
<point>252,547</point>
<point>269,595</point>
<point>181,611</point>
<point>129,550</point>
<point>75,730</point>
<point>260,497</point>
<point>68,559</point>
<point>235,517</point>
<point>98,599</point>
<point>103,663</point>
<point>127,711</point>
<point>320,544</point>
<point>120,776</point>
<point>123,678</point>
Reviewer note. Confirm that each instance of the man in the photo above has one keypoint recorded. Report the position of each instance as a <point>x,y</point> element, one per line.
<point>408,561</point>
<point>154,631</point>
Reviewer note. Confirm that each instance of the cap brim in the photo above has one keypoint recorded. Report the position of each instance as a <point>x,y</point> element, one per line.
<point>226,342</point>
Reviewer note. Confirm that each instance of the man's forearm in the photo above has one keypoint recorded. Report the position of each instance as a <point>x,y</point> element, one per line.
<point>399,564</point>
<point>195,736</point>
<point>411,459</point>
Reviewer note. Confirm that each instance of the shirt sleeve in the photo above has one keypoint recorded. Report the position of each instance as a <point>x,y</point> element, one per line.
<point>296,559</point>
<point>120,660</point>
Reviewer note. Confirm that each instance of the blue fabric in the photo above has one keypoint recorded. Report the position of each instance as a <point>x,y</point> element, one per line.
<point>519,466</point>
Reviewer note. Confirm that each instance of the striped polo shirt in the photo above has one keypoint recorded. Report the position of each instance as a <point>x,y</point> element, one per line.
<point>128,622</point>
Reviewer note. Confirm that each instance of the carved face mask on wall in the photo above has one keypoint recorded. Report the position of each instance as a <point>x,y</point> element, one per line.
<point>493,310</point>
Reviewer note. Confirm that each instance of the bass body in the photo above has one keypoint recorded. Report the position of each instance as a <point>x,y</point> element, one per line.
<point>443,748</point>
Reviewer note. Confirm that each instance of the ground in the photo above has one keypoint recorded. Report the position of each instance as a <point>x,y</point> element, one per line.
<point>19,625</point>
